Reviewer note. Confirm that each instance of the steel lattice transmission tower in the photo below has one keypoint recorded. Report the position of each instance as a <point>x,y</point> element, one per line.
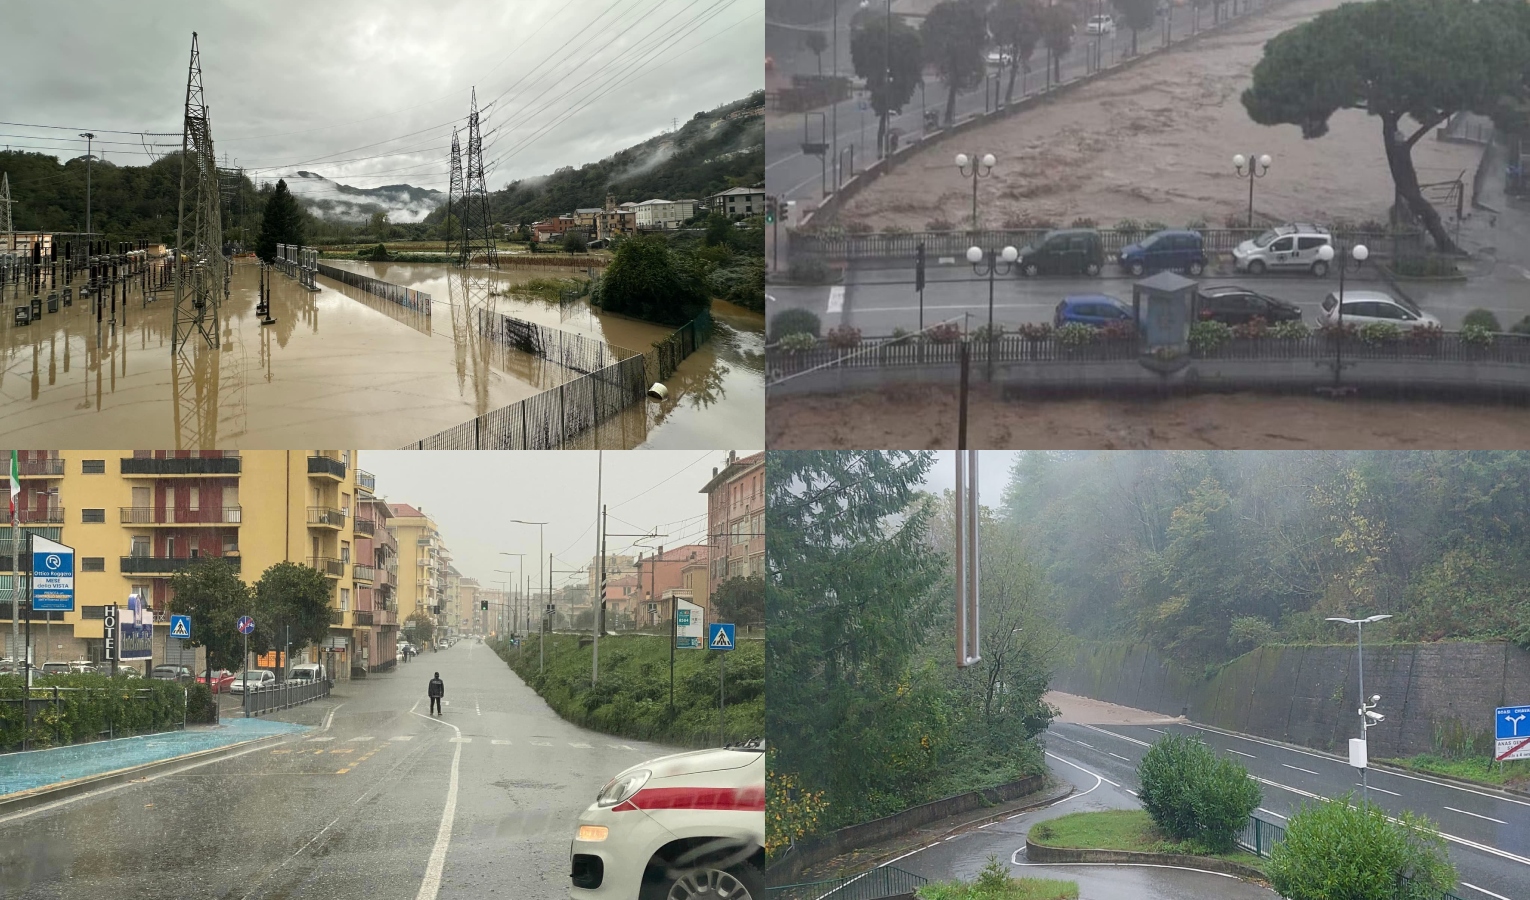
<point>201,270</point>
<point>478,231</point>
<point>453,189</point>
<point>5,205</point>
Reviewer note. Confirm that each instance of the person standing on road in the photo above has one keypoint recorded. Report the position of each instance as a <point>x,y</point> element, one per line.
<point>437,691</point>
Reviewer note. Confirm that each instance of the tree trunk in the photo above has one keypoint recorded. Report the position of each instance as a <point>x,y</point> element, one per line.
<point>1014,69</point>
<point>951,105</point>
<point>1405,178</point>
<point>881,134</point>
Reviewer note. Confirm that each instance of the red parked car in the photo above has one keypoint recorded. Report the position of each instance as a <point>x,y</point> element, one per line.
<point>221,679</point>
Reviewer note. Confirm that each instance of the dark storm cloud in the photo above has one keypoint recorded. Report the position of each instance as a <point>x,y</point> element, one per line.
<point>366,91</point>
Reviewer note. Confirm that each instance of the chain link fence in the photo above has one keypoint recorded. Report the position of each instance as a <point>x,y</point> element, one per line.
<point>408,298</point>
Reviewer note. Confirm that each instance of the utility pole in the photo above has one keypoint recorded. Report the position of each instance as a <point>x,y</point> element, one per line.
<point>15,543</point>
<point>453,191</point>
<point>599,601</point>
<point>88,138</point>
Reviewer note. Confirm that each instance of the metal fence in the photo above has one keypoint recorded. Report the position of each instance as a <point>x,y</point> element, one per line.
<point>283,695</point>
<point>884,881</point>
<point>405,297</point>
<point>881,245</point>
<point>59,700</point>
<point>573,351</point>
<point>670,352</point>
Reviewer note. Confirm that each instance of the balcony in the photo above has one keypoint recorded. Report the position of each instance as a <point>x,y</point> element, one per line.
<point>162,565</point>
<point>331,567</point>
<point>337,617</point>
<point>149,467</point>
<point>324,467</point>
<point>365,481</point>
<point>48,467</point>
<point>149,515</point>
<point>326,517</point>
<point>385,617</point>
<point>363,573</point>
<point>365,526</point>
<point>361,617</point>
<point>48,515</point>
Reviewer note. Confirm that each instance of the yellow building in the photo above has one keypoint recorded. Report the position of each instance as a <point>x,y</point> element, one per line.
<point>468,616</point>
<point>418,560</point>
<point>134,518</point>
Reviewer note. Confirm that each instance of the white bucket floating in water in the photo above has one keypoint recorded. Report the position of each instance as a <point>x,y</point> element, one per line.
<point>658,391</point>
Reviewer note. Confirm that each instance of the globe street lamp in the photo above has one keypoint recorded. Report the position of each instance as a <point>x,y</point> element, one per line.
<point>1368,715</point>
<point>975,256</point>
<point>980,168</point>
<point>1251,168</point>
<point>1326,253</point>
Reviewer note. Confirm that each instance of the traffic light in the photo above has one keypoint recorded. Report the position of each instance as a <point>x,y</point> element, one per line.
<point>483,604</point>
<point>770,210</point>
<point>919,268</point>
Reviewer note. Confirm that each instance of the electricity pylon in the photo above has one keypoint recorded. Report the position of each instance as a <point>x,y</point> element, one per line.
<point>478,235</point>
<point>201,270</point>
<point>5,206</point>
<point>453,190</point>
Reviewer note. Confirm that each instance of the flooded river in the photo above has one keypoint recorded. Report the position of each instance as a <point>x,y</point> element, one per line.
<point>339,366</point>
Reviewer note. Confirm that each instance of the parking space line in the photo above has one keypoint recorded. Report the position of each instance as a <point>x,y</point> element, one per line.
<point>1118,756</point>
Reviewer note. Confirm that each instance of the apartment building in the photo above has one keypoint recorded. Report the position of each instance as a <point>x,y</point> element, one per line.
<point>739,202</point>
<point>417,560</point>
<point>135,518</point>
<point>666,571</point>
<point>375,572</point>
<point>664,214</point>
<point>736,518</point>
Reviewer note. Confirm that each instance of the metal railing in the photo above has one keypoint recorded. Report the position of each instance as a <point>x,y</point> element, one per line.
<point>326,516</point>
<point>405,297</point>
<point>330,566</point>
<point>58,699</point>
<point>884,881</point>
<point>364,526</point>
<point>361,617</point>
<point>52,514</point>
<point>150,515</point>
<point>189,465</point>
<point>283,695</point>
<point>363,573</point>
<point>1259,836</point>
<point>366,481</point>
<point>323,465</point>
<point>44,468</point>
<point>148,565</point>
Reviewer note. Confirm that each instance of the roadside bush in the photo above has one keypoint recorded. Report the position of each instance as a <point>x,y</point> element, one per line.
<point>844,337</point>
<point>1128,227</point>
<point>1337,850</point>
<point>1521,327</point>
<point>808,271</point>
<point>1083,222</point>
<point>1424,266</point>
<point>1151,227</point>
<point>857,227</point>
<point>1346,331</point>
<point>995,883</point>
<point>1035,331</point>
<point>378,253</point>
<point>1077,334</point>
<point>1380,333</point>
<point>798,342</point>
<point>793,321</point>
<point>1476,334</point>
<point>1118,331</point>
<point>1426,334</point>
<point>1289,331</point>
<point>944,333</point>
<point>895,229</point>
<point>900,335</point>
<point>1482,317</point>
<point>982,333</point>
<point>110,704</point>
<point>201,705</point>
<point>1245,633</point>
<point>1256,327</point>
<point>1193,795</point>
<point>1195,225</point>
<point>1209,335</point>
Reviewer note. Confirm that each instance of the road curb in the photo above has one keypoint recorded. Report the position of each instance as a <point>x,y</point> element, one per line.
<point>27,799</point>
<point>1043,853</point>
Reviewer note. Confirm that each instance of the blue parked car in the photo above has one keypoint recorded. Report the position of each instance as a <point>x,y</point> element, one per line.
<point>1179,250</point>
<point>1091,309</point>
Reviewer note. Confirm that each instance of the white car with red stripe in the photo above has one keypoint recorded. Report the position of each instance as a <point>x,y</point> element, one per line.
<point>684,827</point>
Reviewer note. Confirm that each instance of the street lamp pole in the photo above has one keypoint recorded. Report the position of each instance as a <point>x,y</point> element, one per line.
<point>540,547</point>
<point>1251,168</point>
<point>1359,253</point>
<point>980,168</point>
<point>975,256</point>
<point>88,138</point>
<point>1366,707</point>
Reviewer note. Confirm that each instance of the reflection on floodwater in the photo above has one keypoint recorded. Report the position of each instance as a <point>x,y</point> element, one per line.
<point>345,367</point>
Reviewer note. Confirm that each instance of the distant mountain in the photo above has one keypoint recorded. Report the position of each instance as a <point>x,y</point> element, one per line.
<point>340,202</point>
<point>715,150</point>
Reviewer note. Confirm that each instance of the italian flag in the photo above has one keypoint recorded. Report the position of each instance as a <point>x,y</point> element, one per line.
<point>15,483</point>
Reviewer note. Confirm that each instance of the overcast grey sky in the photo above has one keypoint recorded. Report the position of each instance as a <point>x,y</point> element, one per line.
<point>993,473</point>
<point>473,495</point>
<point>366,91</point>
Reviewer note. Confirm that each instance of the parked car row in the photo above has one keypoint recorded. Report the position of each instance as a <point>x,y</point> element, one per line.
<point>1081,251</point>
<point>1234,305</point>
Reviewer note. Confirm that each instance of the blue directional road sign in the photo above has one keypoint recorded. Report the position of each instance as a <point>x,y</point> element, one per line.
<point>246,624</point>
<point>1511,726</point>
<point>720,636</point>
<point>52,575</point>
<point>180,627</point>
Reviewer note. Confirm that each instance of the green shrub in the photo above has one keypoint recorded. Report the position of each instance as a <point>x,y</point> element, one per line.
<point>1482,317</point>
<point>108,705</point>
<point>798,342</point>
<point>201,705</point>
<point>900,335</point>
<point>982,333</point>
<point>1193,795</point>
<point>1209,335</point>
<point>844,337</point>
<point>794,321</point>
<point>1477,334</point>
<point>1077,334</point>
<point>939,225</point>
<point>1380,333</point>
<point>1521,327</point>
<point>1153,226</point>
<point>1289,331</point>
<point>1128,227</point>
<point>1424,266</point>
<point>1334,849</point>
<point>808,271</point>
<point>1083,222</point>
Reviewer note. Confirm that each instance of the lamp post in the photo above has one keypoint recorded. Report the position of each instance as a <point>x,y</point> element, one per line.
<point>88,138</point>
<point>992,267</point>
<point>1358,253</point>
<point>1368,716</point>
<point>980,168</point>
<point>520,567</point>
<point>540,554</point>
<point>1251,168</point>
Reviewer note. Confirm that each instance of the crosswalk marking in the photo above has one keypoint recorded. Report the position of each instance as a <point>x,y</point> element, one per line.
<point>460,740</point>
<point>497,741</point>
<point>342,750</point>
<point>402,737</point>
<point>581,746</point>
<point>366,738</point>
<point>319,739</point>
<point>541,743</point>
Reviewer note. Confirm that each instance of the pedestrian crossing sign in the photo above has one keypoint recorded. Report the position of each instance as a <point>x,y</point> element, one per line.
<point>180,627</point>
<point>720,636</point>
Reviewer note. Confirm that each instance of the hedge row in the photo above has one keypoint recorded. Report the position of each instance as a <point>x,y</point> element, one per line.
<point>105,705</point>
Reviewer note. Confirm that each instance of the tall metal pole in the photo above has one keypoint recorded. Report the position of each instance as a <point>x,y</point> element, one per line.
<point>882,148</point>
<point>88,138</point>
<point>1365,782</point>
<point>600,549</point>
<point>15,554</point>
<point>834,107</point>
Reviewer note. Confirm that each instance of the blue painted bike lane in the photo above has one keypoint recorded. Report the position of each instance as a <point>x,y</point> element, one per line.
<point>28,771</point>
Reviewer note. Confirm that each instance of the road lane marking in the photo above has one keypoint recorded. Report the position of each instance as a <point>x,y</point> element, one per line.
<point>1375,788</point>
<point>1117,736</point>
<point>340,751</point>
<point>459,739</point>
<point>1474,815</point>
<point>343,771</point>
<point>476,708</point>
<point>1300,769</point>
<point>1082,744</point>
<point>836,299</point>
<point>1118,756</point>
<point>541,743</point>
<point>358,739</point>
<point>1241,753</point>
<point>1271,812</point>
<point>581,746</point>
<point>1097,777</point>
<point>402,737</point>
<point>1130,791</point>
<point>1159,730</point>
<point>319,739</point>
<point>619,746</point>
<point>431,885</point>
<point>500,742</point>
<point>1473,886</point>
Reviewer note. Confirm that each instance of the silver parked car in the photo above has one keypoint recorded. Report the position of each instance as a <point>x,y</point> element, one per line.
<point>1371,307</point>
<point>257,679</point>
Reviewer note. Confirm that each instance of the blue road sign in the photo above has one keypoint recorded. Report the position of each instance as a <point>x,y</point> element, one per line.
<point>52,575</point>
<point>1512,722</point>
<point>246,624</point>
<point>720,636</point>
<point>180,627</point>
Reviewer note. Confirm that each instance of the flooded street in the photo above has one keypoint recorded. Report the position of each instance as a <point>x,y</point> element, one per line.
<point>716,397</point>
<point>342,366</point>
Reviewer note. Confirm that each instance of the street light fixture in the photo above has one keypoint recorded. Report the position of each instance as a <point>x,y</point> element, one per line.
<point>1359,253</point>
<point>975,256</point>
<point>1251,168</point>
<point>1368,716</point>
<point>980,168</point>
<point>540,554</point>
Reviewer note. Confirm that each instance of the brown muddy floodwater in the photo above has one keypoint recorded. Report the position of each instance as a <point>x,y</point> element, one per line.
<point>339,367</point>
<point>716,397</point>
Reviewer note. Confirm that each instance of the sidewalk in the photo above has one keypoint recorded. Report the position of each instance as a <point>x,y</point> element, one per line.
<point>34,769</point>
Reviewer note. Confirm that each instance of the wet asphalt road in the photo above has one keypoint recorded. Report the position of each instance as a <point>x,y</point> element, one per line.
<point>352,809</point>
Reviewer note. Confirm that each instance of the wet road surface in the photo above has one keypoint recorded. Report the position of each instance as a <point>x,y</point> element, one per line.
<point>352,809</point>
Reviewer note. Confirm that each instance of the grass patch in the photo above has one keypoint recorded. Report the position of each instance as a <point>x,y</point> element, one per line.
<point>1124,829</point>
<point>1481,769</point>
<point>550,289</point>
<point>1018,889</point>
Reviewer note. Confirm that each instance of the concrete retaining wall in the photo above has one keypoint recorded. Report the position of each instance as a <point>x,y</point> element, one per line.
<point>1043,854</point>
<point>1308,695</point>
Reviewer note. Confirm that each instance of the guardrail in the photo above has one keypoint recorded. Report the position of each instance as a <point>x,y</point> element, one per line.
<point>876,884</point>
<point>284,695</point>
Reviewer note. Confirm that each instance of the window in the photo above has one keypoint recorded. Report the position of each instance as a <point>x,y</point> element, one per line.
<point>230,544</point>
<point>345,551</point>
<point>142,590</point>
<point>1282,246</point>
<point>92,612</point>
<point>140,545</point>
<point>92,515</point>
<point>170,548</point>
<point>1309,243</point>
<point>92,467</point>
<point>141,498</point>
<point>345,598</point>
<point>196,498</point>
<point>92,564</point>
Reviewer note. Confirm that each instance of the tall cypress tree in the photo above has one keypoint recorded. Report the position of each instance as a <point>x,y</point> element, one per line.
<point>282,224</point>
